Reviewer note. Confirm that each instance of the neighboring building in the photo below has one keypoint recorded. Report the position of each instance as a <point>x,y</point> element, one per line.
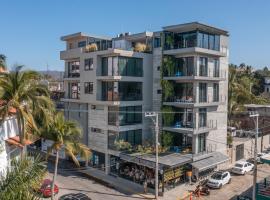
<point>111,82</point>
<point>9,143</point>
<point>267,84</point>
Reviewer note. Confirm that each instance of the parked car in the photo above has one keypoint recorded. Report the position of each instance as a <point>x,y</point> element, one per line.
<point>218,179</point>
<point>45,188</point>
<point>241,167</point>
<point>259,155</point>
<point>75,196</point>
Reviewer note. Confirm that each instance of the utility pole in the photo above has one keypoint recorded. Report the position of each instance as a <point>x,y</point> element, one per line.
<point>255,114</point>
<point>155,114</point>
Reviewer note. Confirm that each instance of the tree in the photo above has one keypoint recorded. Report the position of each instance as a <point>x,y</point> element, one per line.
<point>64,135</point>
<point>3,62</point>
<point>22,91</point>
<point>20,181</point>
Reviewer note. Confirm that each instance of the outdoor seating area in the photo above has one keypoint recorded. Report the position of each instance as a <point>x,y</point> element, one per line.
<point>138,174</point>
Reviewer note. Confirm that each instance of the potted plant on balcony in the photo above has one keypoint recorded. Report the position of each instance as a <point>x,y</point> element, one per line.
<point>140,47</point>
<point>91,47</point>
<point>122,145</point>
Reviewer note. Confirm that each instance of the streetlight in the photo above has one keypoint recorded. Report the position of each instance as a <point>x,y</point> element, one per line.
<point>155,114</point>
<point>255,114</point>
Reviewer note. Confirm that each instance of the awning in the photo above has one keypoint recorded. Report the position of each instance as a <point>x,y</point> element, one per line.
<point>166,160</point>
<point>210,161</point>
<point>16,141</point>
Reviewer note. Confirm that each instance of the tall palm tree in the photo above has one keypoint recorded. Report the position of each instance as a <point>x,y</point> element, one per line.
<point>23,92</point>
<point>3,62</point>
<point>19,182</point>
<point>65,135</point>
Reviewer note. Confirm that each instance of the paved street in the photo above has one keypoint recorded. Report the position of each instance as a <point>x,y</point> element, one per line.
<point>74,182</point>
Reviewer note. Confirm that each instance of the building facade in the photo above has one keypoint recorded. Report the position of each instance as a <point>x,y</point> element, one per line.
<point>180,71</point>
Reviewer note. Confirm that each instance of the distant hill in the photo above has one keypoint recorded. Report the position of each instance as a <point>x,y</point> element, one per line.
<point>58,75</point>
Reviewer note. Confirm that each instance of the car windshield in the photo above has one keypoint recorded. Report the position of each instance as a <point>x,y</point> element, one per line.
<point>238,165</point>
<point>216,176</point>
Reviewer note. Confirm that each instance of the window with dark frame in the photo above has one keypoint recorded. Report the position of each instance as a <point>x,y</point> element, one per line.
<point>88,64</point>
<point>88,87</point>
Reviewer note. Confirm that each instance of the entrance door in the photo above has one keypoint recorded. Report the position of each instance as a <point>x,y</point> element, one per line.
<point>239,152</point>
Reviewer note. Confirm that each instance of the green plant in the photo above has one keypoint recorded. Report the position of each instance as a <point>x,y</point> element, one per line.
<point>167,115</point>
<point>22,92</point>
<point>170,40</point>
<point>168,65</point>
<point>20,181</point>
<point>65,135</point>
<point>122,145</point>
<point>167,88</point>
<point>167,139</point>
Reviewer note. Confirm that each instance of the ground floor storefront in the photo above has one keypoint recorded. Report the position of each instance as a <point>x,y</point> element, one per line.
<point>174,168</point>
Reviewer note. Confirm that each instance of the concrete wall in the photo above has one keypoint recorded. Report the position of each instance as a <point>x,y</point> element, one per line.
<point>248,146</point>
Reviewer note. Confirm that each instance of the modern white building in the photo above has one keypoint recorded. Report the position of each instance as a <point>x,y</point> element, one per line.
<point>181,70</point>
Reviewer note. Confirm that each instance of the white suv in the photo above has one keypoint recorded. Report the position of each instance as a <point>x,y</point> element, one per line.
<point>218,179</point>
<point>241,167</point>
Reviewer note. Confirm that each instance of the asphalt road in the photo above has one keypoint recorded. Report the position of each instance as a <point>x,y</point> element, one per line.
<point>73,182</point>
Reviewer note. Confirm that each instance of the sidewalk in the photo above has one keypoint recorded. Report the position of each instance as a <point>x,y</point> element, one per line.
<point>134,189</point>
<point>122,185</point>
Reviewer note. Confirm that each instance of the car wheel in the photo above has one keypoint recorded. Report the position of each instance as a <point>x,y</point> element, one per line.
<point>244,173</point>
<point>230,180</point>
<point>220,186</point>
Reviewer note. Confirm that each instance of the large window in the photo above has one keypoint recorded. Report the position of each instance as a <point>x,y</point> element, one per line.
<point>216,68</point>
<point>201,142</point>
<point>74,90</point>
<point>203,64</point>
<point>122,66</point>
<point>184,66</point>
<point>88,87</point>
<point>81,44</point>
<point>130,91</point>
<point>183,118</point>
<point>202,117</point>
<point>202,92</point>
<point>121,91</point>
<point>125,115</point>
<point>208,41</point>
<point>192,39</point>
<point>134,137</point>
<point>74,69</point>
<point>88,64</point>
<point>130,66</point>
<point>215,92</point>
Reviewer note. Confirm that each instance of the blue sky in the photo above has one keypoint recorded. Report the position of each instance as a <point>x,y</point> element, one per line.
<point>30,29</point>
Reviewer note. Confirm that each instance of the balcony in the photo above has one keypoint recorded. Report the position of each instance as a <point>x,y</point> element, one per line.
<point>192,42</point>
<point>185,69</point>
<point>121,91</point>
<point>190,128</point>
<point>71,53</point>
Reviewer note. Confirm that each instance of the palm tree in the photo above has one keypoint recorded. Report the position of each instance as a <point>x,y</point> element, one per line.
<point>65,135</point>
<point>22,91</point>
<point>3,62</point>
<point>20,181</point>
